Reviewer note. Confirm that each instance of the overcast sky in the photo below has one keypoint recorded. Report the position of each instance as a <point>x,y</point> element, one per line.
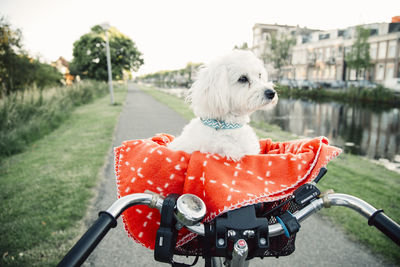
<point>172,33</point>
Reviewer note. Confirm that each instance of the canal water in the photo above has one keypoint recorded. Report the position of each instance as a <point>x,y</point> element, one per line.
<point>369,132</point>
<point>366,131</point>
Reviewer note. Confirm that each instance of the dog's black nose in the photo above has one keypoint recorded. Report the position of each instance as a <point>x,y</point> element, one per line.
<point>269,94</point>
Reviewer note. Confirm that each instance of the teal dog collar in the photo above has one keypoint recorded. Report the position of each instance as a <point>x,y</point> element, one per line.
<point>220,125</point>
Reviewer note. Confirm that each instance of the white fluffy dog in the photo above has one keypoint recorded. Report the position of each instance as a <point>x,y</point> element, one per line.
<point>224,95</point>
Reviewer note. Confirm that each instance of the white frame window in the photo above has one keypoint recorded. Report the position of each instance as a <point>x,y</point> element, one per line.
<point>389,71</point>
<point>382,50</point>
<point>372,50</point>
<point>392,49</point>
<point>380,71</point>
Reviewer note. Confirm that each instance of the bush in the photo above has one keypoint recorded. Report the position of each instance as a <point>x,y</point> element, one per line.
<point>29,115</point>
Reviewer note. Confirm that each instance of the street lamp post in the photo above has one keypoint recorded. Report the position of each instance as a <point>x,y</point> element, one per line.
<point>105,27</point>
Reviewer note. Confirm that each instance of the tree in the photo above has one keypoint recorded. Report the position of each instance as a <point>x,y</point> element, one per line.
<point>278,50</point>
<point>90,55</point>
<point>358,58</point>
<point>244,46</point>
<point>172,78</point>
<point>44,75</point>
<point>17,70</point>
<point>10,45</point>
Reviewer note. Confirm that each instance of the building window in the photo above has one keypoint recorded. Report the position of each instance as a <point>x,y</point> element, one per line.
<point>382,50</point>
<point>332,74</point>
<point>319,54</point>
<point>300,73</point>
<point>323,36</point>
<point>389,71</point>
<point>353,75</point>
<point>340,51</point>
<point>372,50</point>
<point>326,73</point>
<point>328,53</point>
<point>347,50</point>
<point>373,32</point>
<point>392,49</point>
<point>380,71</point>
<point>394,27</point>
<point>398,71</point>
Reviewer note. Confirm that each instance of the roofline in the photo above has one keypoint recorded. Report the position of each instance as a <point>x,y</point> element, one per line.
<point>281,25</point>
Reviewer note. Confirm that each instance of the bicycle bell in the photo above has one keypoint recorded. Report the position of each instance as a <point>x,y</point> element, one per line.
<point>190,209</point>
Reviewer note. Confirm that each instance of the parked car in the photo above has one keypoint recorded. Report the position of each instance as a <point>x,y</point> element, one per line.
<point>367,84</point>
<point>361,84</point>
<point>323,84</point>
<point>287,82</point>
<point>338,84</point>
<point>351,84</point>
<point>306,84</point>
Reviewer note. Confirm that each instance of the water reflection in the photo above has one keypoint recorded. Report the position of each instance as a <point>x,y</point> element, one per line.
<point>359,130</point>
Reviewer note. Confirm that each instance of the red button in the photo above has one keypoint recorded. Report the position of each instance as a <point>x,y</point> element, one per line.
<point>241,243</point>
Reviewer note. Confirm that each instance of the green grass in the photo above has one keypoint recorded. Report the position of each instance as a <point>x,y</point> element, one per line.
<point>29,115</point>
<point>45,190</point>
<point>373,183</point>
<point>347,174</point>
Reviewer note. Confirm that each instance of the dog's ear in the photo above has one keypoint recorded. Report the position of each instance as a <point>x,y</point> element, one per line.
<point>209,93</point>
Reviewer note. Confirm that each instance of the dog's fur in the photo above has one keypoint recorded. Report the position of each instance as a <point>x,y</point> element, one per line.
<point>220,92</point>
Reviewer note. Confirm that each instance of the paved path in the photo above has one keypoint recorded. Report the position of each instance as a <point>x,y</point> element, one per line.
<point>319,243</point>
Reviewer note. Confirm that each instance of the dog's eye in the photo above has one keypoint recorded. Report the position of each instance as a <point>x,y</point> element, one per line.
<point>243,79</point>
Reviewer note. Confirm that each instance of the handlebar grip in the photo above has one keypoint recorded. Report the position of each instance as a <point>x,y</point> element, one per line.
<point>82,249</point>
<point>386,225</point>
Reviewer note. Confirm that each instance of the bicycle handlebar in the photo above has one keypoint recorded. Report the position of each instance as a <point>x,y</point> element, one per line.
<point>107,220</point>
<point>88,242</point>
<point>386,225</point>
<point>375,217</point>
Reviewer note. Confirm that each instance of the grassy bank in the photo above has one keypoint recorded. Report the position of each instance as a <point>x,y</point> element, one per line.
<point>45,190</point>
<point>366,96</point>
<point>29,115</point>
<point>348,174</point>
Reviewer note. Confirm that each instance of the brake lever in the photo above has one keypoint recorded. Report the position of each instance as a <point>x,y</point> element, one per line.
<point>307,192</point>
<point>166,233</point>
<point>321,174</point>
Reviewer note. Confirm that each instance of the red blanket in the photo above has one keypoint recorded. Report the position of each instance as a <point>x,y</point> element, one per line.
<point>223,184</point>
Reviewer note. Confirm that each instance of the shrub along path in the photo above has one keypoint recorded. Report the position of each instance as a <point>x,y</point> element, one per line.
<point>46,189</point>
<point>319,241</point>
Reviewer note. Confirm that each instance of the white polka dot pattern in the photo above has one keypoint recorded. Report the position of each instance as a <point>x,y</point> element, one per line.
<point>223,184</point>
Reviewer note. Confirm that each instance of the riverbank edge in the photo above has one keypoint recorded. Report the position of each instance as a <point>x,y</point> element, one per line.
<point>348,174</point>
<point>379,98</point>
